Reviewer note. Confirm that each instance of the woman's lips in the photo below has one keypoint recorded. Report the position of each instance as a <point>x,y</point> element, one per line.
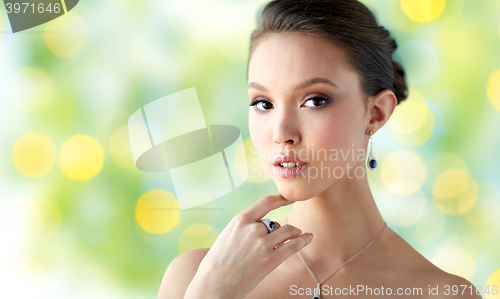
<point>289,172</point>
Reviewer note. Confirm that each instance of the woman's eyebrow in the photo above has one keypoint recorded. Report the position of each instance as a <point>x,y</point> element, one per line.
<point>298,87</point>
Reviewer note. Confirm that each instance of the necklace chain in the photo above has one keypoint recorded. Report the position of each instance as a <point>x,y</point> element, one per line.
<point>344,263</point>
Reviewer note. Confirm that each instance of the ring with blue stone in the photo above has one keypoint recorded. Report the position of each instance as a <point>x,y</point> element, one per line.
<point>270,225</point>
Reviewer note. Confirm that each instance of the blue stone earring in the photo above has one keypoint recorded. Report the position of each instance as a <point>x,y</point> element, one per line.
<point>372,163</point>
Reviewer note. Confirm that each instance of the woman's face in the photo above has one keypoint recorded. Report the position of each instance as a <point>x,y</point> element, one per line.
<point>323,123</point>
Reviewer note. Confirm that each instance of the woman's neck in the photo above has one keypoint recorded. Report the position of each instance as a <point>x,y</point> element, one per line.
<point>343,219</point>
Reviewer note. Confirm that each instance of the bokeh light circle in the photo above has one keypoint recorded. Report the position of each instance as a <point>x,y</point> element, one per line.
<point>402,172</point>
<point>440,163</point>
<point>493,280</point>
<point>30,89</point>
<point>157,211</point>
<point>67,36</point>
<point>195,236</point>
<point>81,157</point>
<point>398,18</point>
<point>486,209</point>
<point>412,122</point>
<point>410,116</point>
<point>423,11</point>
<point>34,155</point>
<point>493,91</point>
<point>455,260</point>
<point>454,191</point>
<point>450,183</point>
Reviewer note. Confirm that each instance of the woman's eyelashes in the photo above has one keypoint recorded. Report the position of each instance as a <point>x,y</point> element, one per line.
<point>314,102</point>
<point>317,102</point>
<point>262,105</point>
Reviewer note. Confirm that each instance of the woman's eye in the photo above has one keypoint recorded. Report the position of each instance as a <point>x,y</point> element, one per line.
<point>316,102</point>
<point>262,105</point>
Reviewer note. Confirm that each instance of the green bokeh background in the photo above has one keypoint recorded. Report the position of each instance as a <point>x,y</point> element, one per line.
<point>62,237</point>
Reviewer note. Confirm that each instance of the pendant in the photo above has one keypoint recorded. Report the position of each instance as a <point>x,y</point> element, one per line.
<point>317,291</point>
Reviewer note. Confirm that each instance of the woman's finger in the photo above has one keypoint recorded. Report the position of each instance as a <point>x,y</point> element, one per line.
<point>264,205</point>
<point>286,232</point>
<point>285,250</point>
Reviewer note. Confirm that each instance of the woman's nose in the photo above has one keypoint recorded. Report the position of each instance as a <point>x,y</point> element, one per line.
<point>286,131</point>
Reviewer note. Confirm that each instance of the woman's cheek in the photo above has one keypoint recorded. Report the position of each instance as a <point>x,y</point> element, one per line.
<point>336,136</point>
<point>330,130</point>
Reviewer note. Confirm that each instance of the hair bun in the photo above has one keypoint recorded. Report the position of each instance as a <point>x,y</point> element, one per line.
<point>400,88</point>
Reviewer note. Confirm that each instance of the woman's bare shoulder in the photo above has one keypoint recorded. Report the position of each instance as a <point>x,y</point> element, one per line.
<point>410,268</point>
<point>180,273</point>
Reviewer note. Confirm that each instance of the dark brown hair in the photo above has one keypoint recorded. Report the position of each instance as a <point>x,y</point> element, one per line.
<point>346,23</point>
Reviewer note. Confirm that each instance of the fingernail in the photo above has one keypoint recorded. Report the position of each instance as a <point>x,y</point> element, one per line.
<point>310,236</point>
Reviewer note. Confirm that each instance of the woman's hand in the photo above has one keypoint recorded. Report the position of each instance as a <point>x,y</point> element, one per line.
<point>245,253</point>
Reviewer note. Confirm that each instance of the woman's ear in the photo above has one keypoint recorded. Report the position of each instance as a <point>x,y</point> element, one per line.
<point>381,108</point>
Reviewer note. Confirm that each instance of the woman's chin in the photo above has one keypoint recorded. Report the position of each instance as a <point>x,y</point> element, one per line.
<point>290,194</point>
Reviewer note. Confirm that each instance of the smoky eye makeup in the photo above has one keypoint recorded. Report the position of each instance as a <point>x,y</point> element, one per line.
<point>261,105</point>
<point>315,102</point>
